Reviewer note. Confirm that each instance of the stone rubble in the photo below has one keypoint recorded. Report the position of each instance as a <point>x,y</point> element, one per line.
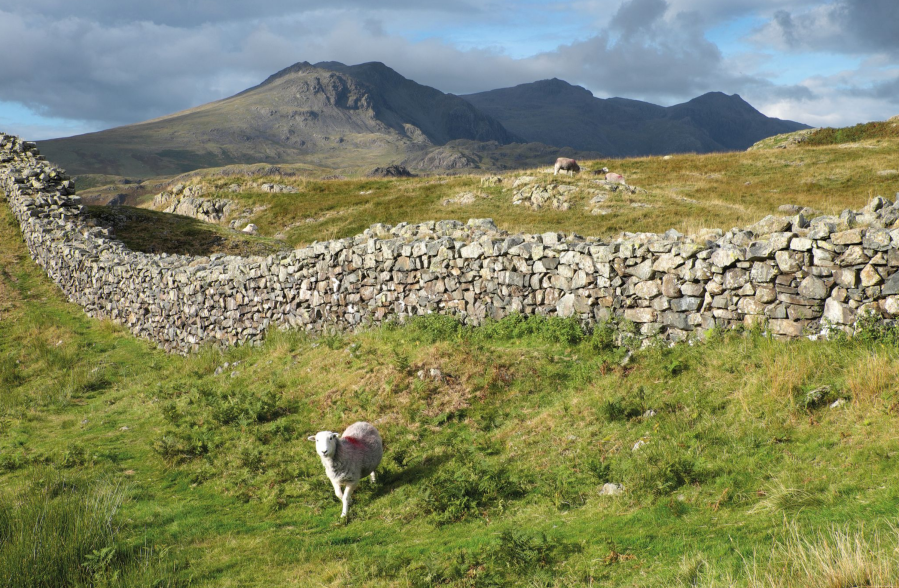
<point>278,188</point>
<point>465,198</point>
<point>797,276</point>
<point>539,196</point>
<point>615,186</point>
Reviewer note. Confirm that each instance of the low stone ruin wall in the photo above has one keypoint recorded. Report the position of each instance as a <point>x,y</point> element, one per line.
<point>794,275</point>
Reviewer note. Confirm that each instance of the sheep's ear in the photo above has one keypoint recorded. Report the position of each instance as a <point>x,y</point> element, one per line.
<point>310,438</point>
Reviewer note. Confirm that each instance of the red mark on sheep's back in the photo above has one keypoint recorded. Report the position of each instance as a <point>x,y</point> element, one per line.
<point>354,441</point>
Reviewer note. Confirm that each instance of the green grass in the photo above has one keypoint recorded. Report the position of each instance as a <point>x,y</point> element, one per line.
<point>498,441</point>
<point>860,132</point>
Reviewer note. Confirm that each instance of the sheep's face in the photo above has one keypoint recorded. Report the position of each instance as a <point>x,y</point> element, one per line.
<point>325,443</point>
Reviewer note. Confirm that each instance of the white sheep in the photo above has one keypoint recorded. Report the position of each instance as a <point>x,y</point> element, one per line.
<point>349,457</point>
<point>566,164</point>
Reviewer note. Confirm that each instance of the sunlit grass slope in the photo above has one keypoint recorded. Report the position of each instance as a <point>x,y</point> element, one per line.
<point>123,466</point>
<point>685,192</point>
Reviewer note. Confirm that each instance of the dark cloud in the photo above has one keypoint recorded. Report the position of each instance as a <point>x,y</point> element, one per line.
<point>190,13</point>
<point>873,23</point>
<point>636,15</point>
<point>77,69</point>
<point>374,26</point>
<point>887,90</point>
<point>648,52</point>
<point>842,26</point>
<point>794,93</point>
<point>784,21</point>
<point>712,11</point>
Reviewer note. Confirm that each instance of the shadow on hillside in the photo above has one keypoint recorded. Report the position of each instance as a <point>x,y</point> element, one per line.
<point>149,231</point>
<point>389,481</point>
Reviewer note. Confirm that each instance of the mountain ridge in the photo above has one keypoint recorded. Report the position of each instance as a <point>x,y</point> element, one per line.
<point>556,112</point>
<point>355,117</point>
<point>331,117</point>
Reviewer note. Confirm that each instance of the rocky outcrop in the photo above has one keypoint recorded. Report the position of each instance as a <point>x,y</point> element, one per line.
<point>447,159</point>
<point>187,201</point>
<point>790,274</point>
<point>784,141</point>
<point>391,171</point>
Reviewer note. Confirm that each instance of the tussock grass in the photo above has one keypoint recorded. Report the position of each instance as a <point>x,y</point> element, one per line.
<point>781,498</point>
<point>874,378</point>
<point>66,532</point>
<point>835,558</point>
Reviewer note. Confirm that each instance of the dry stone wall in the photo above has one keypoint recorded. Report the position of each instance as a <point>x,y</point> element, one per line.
<point>793,274</point>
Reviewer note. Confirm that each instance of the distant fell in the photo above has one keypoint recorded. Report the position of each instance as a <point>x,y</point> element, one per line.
<point>556,112</point>
<point>329,114</point>
<point>440,117</point>
<point>354,118</point>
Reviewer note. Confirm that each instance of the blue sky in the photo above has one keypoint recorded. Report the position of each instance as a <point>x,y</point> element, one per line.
<point>75,67</point>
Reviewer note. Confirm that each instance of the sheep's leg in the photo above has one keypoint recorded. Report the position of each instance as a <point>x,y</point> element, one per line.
<point>337,490</point>
<point>372,477</point>
<point>347,497</point>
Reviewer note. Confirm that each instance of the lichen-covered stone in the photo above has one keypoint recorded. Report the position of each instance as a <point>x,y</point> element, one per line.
<point>850,237</point>
<point>869,276</point>
<point>640,315</point>
<point>814,288</point>
<point>788,261</point>
<point>837,312</point>
<point>726,257</point>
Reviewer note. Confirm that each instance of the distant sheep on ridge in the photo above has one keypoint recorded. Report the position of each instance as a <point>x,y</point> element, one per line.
<point>566,164</point>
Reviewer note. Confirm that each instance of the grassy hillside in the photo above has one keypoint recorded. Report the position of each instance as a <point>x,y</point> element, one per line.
<point>123,466</point>
<point>685,192</point>
<point>865,135</point>
<point>861,132</point>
